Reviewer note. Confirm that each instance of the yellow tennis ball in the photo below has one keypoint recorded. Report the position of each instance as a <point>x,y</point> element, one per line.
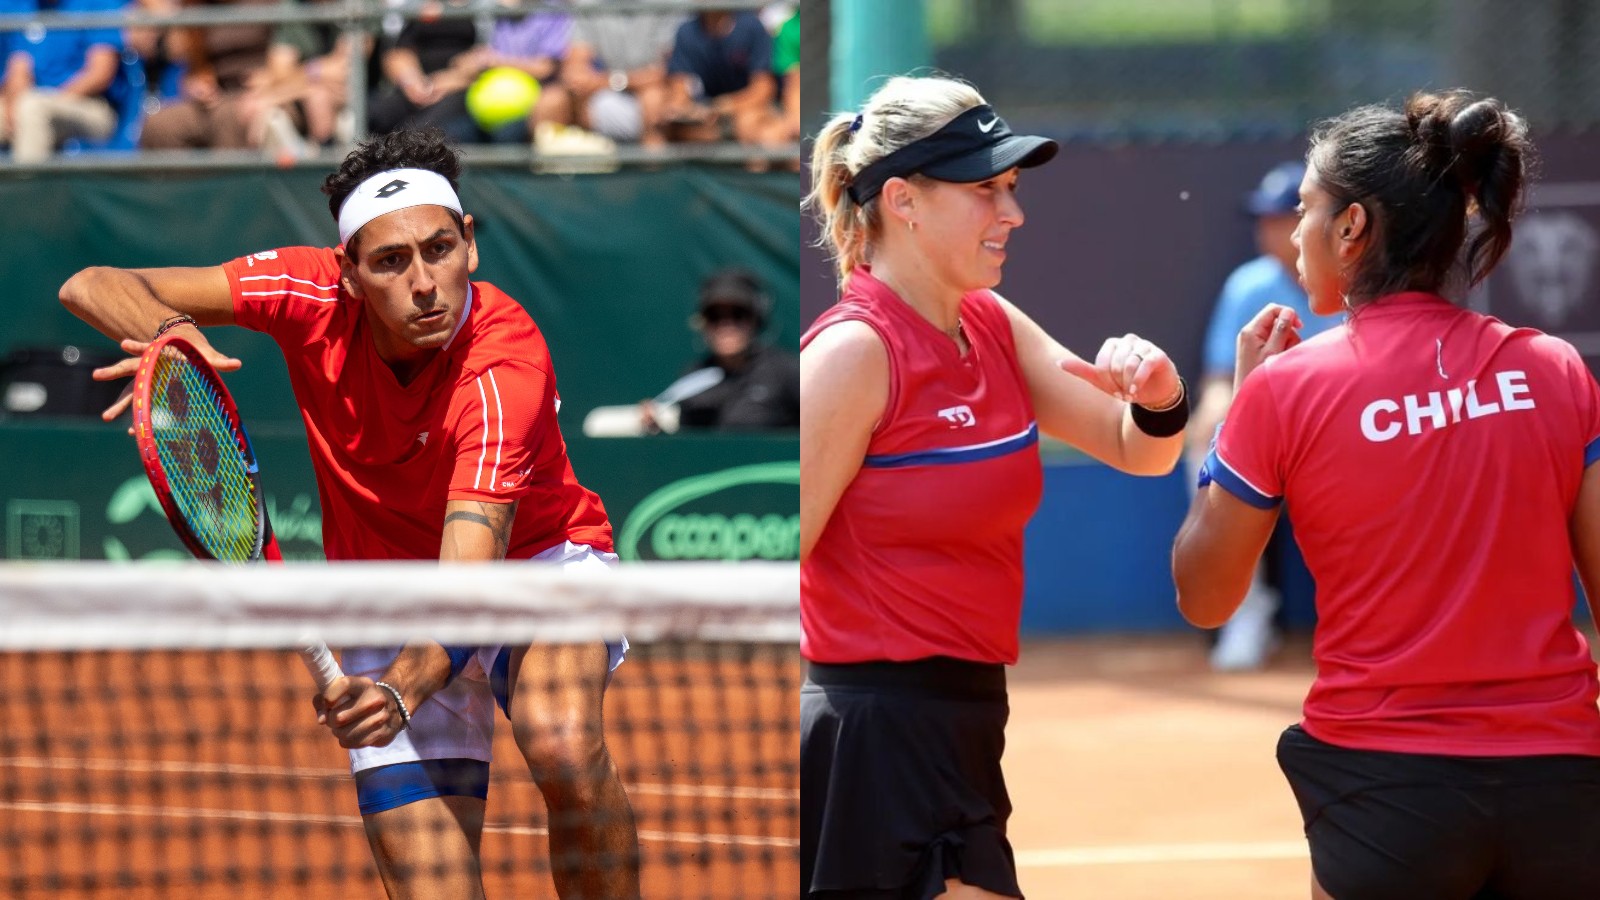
<point>500,96</point>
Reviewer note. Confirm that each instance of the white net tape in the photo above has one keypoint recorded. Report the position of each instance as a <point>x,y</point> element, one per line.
<point>102,606</point>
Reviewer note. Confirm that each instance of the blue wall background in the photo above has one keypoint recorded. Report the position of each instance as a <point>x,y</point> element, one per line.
<point>1098,553</point>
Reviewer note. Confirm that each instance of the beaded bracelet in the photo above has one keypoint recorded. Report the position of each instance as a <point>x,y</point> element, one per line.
<point>172,323</point>
<point>405,714</point>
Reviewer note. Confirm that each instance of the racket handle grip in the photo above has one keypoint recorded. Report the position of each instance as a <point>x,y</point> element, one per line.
<point>321,664</point>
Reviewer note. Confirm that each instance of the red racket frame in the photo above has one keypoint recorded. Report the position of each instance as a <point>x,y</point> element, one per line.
<point>266,543</point>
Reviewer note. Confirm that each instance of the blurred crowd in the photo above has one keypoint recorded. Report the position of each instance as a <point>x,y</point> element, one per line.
<point>585,79</point>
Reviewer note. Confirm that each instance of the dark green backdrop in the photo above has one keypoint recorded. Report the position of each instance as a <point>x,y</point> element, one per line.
<point>74,490</point>
<point>608,265</point>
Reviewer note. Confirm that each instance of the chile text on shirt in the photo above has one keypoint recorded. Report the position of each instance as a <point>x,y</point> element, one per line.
<point>1381,420</point>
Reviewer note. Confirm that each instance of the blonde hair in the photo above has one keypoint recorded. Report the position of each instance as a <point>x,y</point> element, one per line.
<point>906,109</point>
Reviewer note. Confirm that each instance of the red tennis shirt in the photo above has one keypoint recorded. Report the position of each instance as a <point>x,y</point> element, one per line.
<point>1430,458</point>
<point>478,422</point>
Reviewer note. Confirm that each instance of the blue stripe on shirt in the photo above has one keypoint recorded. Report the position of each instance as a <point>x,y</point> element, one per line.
<point>946,456</point>
<point>1591,453</point>
<point>1230,481</point>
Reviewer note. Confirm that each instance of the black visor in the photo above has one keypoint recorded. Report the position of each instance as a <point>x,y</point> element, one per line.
<point>973,146</point>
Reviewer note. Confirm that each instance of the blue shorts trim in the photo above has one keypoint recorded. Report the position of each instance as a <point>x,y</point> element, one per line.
<point>499,680</point>
<point>459,657</point>
<point>393,786</point>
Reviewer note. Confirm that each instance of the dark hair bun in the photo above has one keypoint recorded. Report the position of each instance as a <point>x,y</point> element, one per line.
<point>1429,122</point>
<point>1478,135</point>
<point>1465,137</point>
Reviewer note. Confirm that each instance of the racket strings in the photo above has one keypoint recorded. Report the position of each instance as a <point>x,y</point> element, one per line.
<point>201,454</point>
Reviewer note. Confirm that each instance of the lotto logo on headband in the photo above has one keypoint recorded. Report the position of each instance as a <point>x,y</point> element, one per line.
<point>395,189</point>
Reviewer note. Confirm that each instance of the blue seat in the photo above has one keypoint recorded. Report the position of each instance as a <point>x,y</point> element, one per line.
<point>126,96</point>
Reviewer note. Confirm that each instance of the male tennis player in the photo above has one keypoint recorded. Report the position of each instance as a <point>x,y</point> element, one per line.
<point>429,403</point>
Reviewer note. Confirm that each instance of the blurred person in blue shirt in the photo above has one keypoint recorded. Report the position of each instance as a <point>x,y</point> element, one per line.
<point>1250,637</point>
<point>720,84</point>
<point>55,81</point>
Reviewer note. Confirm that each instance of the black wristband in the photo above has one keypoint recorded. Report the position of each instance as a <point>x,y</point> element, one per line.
<point>172,323</point>
<point>1167,422</point>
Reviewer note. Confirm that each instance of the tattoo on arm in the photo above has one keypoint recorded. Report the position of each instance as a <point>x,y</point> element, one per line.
<point>497,517</point>
<point>461,516</point>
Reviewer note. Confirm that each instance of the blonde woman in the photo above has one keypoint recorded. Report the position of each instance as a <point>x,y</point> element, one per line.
<point>923,394</point>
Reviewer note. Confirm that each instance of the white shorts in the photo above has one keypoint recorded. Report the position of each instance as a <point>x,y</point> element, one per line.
<point>458,722</point>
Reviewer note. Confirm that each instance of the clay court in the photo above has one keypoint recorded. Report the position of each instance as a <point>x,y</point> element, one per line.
<point>114,784</point>
<point>1136,773</point>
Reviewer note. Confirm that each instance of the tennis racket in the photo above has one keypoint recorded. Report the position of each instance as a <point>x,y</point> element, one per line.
<point>198,458</point>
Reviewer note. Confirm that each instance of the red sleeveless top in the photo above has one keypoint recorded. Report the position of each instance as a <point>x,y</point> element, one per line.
<point>923,553</point>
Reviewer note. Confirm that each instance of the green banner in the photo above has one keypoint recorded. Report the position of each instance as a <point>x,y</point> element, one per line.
<point>77,491</point>
<point>608,265</point>
<point>715,515</point>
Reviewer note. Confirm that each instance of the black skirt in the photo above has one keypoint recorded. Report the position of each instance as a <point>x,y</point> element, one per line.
<point>900,780</point>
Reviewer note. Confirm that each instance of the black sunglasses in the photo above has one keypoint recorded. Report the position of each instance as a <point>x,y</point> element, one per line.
<point>716,314</point>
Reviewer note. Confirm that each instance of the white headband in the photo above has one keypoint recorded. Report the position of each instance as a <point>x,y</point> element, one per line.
<point>388,191</point>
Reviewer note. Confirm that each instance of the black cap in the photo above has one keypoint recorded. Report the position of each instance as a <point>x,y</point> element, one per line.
<point>973,146</point>
<point>734,286</point>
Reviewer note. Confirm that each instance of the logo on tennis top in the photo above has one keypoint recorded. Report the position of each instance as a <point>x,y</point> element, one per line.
<point>988,126</point>
<point>422,438</point>
<point>392,188</point>
<point>959,416</point>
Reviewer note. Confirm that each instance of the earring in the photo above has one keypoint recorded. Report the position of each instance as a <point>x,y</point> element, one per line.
<point>911,225</point>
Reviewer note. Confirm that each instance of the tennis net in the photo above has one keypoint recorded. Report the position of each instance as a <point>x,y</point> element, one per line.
<point>157,737</point>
